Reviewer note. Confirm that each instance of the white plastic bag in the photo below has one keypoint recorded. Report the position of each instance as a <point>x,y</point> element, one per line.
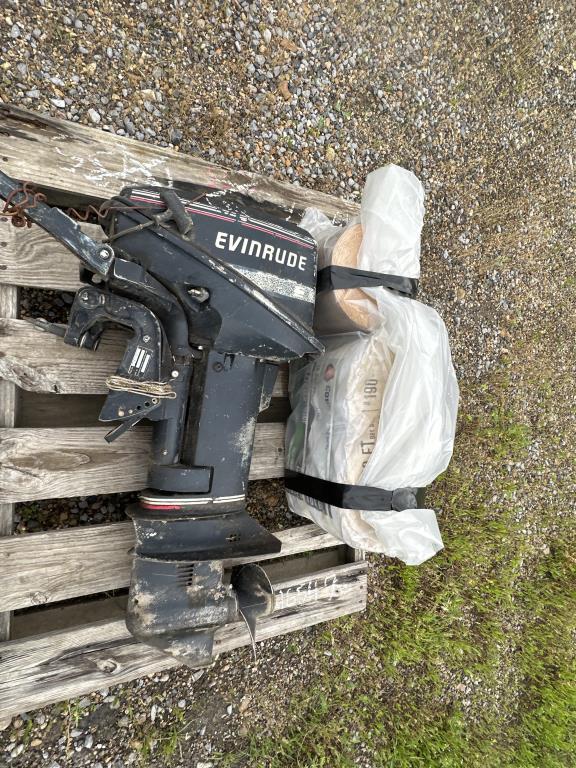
<point>385,239</point>
<point>392,217</point>
<point>402,436</point>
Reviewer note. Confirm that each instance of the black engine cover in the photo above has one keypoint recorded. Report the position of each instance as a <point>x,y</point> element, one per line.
<point>255,238</point>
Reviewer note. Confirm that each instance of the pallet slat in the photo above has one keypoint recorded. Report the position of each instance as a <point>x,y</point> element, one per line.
<point>32,258</point>
<point>59,665</point>
<point>41,568</point>
<point>8,406</point>
<point>52,463</point>
<point>41,362</point>
<point>68,156</point>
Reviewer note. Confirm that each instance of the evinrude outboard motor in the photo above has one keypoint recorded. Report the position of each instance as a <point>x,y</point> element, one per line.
<point>217,290</point>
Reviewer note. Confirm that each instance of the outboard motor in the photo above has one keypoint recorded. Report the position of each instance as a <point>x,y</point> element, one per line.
<point>217,290</point>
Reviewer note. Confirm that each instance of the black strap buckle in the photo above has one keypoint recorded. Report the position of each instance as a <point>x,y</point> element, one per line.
<point>363,497</point>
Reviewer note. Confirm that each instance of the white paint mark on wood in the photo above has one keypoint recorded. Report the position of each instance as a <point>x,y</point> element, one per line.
<point>130,170</point>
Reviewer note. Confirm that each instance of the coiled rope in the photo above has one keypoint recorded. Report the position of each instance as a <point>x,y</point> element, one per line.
<point>161,389</point>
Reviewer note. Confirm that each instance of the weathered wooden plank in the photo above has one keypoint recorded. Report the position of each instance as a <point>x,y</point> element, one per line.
<point>40,568</point>
<point>31,257</point>
<point>50,463</point>
<point>59,665</point>
<point>41,362</point>
<point>8,301</point>
<point>71,157</point>
<point>8,407</point>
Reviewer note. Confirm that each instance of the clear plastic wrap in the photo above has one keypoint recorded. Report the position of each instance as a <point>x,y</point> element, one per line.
<point>392,217</point>
<point>337,399</point>
<point>377,409</point>
<point>380,410</point>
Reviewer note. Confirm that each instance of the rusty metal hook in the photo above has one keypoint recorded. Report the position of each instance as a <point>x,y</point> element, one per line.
<point>16,211</point>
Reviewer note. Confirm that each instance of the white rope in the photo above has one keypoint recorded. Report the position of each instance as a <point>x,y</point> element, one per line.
<point>152,388</point>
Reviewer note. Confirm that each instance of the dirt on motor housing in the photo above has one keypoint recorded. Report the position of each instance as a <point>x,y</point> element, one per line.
<point>255,238</point>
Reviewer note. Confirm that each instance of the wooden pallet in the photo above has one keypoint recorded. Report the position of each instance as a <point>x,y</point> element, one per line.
<point>51,445</point>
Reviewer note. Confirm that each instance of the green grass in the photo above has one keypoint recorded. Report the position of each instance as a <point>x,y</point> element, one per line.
<point>162,742</point>
<point>467,660</point>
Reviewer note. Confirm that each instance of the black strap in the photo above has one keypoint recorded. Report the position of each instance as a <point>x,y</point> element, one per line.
<point>335,278</point>
<point>363,497</point>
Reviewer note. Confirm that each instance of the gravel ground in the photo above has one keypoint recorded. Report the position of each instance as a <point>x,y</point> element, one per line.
<point>475,98</point>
